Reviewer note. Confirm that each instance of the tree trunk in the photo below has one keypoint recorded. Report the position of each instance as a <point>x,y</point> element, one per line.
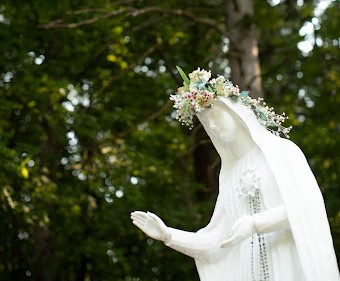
<point>207,164</point>
<point>245,72</point>
<point>244,61</point>
<point>41,256</point>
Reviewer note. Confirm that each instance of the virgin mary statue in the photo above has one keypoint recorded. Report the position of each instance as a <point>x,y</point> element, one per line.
<point>269,221</point>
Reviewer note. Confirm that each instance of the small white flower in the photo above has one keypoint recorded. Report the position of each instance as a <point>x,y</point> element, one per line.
<point>220,79</point>
<point>199,75</point>
<point>200,93</point>
<point>221,90</point>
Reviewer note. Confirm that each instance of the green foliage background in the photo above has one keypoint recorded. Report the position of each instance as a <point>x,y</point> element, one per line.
<point>86,133</point>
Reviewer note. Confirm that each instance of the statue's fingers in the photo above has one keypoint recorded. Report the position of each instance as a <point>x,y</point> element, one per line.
<point>225,243</point>
<point>138,212</point>
<point>139,225</point>
<point>135,216</point>
<point>141,221</point>
<point>229,242</point>
<point>140,215</point>
<point>154,217</point>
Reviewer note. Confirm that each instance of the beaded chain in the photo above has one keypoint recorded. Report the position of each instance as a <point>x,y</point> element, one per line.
<point>254,208</point>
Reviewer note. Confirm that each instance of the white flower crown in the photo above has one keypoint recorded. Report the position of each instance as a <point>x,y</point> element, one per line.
<point>199,92</point>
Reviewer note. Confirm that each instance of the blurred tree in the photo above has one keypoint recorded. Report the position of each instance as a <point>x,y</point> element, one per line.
<point>87,133</point>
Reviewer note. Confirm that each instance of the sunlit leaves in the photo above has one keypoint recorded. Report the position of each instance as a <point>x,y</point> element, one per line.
<point>84,140</point>
<point>23,169</point>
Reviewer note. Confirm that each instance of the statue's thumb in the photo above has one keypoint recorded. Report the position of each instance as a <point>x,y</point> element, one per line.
<point>153,216</point>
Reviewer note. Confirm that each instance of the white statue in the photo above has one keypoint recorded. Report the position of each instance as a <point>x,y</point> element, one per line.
<point>269,221</point>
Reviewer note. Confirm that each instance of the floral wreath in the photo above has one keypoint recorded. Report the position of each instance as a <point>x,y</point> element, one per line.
<point>199,92</point>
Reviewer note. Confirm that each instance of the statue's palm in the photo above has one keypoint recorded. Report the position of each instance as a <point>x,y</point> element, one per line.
<point>242,229</point>
<point>151,225</point>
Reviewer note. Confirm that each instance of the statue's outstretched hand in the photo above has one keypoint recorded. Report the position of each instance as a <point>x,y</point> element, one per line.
<point>242,228</point>
<point>151,225</point>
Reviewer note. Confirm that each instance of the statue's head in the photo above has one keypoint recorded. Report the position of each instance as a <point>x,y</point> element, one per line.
<point>220,122</point>
<point>200,93</point>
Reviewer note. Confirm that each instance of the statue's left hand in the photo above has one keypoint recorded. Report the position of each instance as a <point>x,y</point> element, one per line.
<point>151,225</point>
<point>243,228</point>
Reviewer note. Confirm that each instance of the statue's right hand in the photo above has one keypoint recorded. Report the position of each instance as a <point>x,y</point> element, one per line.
<point>151,225</point>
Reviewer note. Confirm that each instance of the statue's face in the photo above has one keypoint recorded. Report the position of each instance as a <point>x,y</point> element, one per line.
<point>220,122</point>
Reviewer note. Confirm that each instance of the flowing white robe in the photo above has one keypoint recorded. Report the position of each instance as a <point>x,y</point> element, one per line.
<point>242,261</point>
<point>301,251</point>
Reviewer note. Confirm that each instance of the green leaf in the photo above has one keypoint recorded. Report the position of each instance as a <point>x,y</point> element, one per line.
<point>183,75</point>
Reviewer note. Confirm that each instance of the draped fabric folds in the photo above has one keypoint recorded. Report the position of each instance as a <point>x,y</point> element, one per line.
<point>307,243</point>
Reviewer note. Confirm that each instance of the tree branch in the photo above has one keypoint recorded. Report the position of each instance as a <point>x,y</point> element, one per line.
<point>145,120</point>
<point>86,11</point>
<point>59,23</point>
<point>132,12</point>
<point>99,10</point>
<point>130,67</point>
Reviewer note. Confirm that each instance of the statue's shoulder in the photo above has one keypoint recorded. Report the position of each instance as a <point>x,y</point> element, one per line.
<point>291,149</point>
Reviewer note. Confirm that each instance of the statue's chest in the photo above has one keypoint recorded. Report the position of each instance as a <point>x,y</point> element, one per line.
<point>243,187</point>
<point>247,186</point>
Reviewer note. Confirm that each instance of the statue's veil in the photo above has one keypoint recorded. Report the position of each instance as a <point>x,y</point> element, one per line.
<point>299,191</point>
